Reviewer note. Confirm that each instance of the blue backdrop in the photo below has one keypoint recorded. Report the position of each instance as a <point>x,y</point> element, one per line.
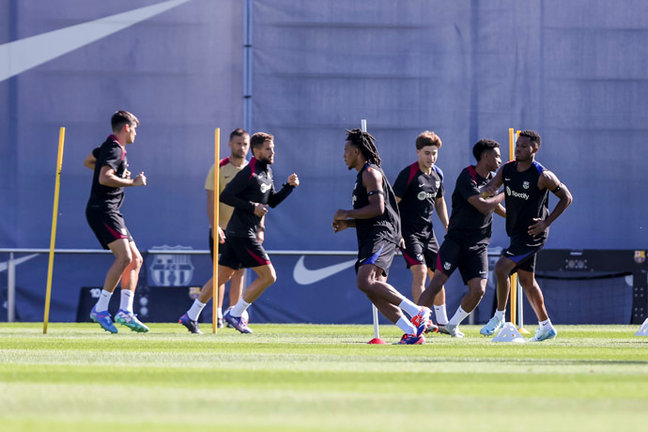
<point>575,71</point>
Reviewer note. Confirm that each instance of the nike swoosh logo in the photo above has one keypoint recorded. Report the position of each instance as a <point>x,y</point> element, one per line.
<point>5,265</point>
<point>304,276</point>
<point>27,53</point>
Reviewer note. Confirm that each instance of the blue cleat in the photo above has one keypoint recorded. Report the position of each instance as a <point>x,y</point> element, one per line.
<point>238,323</point>
<point>492,326</point>
<point>103,319</point>
<point>544,333</point>
<point>191,325</point>
<point>411,339</point>
<point>129,319</point>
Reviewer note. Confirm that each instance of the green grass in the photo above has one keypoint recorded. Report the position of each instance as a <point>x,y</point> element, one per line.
<point>318,378</point>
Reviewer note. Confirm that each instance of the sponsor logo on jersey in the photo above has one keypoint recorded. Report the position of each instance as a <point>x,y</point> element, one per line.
<point>265,187</point>
<point>424,195</point>
<point>516,194</point>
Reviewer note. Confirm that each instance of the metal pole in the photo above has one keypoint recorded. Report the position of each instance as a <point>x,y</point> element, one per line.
<point>11,289</point>
<point>247,66</point>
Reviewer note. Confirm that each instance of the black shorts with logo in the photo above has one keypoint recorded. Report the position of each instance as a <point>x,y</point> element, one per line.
<point>379,253</point>
<point>242,252</point>
<point>524,256</point>
<point>107,225</point>
<point>419,251</point>
<point>472,260</point>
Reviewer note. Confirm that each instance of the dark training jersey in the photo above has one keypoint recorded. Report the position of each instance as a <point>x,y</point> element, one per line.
<point>418,193</point>
<point>467,224</point>
<point>383,227</point>
<point>106,197</point>
<point>253,184</point>
<point>524,202</point>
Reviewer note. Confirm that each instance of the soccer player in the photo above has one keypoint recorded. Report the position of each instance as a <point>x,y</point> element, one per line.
<point>466,244</point>
<point>377,223</point>
<point>419,191</point>
<point>250,192</point>
<point>526,185</point>
<point>111,176</point>
<point>239,143</point>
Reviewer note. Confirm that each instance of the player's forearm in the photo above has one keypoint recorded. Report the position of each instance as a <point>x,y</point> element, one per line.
<point>559,209</point>
<point>114,181</point>
<point>276,198</point>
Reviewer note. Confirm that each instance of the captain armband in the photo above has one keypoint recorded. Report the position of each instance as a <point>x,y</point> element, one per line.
<point>375,192</point>
<point>558,188</point>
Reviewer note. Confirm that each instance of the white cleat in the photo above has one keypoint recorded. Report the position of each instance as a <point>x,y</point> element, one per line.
<point>492,326</point>
<point>453,330</point>
<point>544,333</point>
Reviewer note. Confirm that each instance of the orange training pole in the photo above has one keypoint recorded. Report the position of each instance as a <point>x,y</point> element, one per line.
<point>215,286</point>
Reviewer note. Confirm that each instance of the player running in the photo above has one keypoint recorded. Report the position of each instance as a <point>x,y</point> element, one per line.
<point>466,244</point>
<point>419,191</point>
<point>251,192</point>
<point>239,143</point>
<point>526,184</point>
<point>377,223</point>
<point>111,176</point>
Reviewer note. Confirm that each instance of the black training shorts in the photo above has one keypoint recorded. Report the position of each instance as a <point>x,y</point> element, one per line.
<point>107,225</point>
<point>242,252</point>
<point>379,253</point>
<point>472,260</point>
<point>419,251</point>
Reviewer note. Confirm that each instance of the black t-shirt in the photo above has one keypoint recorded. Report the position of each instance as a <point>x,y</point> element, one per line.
<point>253,184</point>
<point>524,202</point>
<point>418,193</point>
<point>114,155</point>
<point>383,227</point>
<point>467,224</point>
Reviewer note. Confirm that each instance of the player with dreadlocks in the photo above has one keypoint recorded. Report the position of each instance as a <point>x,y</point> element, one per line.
<point>377,223</point>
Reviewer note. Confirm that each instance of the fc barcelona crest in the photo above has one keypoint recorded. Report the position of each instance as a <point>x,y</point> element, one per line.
<point>170,269</point>
<point>640,256</point>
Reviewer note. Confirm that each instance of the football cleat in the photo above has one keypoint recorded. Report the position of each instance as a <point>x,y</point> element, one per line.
<point>411,339</point>
<point>103,319</point>
<point>442,329</point>
<point>430,327</point>
<point>129,319</point>
<point>219,323</point>
<point>544,333</point>
<point>492,326</point>
<point>191,325</point>
<point>421,319</point>
<point>239,323</point>
<point>453,330</point>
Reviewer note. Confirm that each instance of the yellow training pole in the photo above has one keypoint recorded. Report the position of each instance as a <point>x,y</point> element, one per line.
<point>50,267</point>
<point>215,287</point>
<point>513,278</point>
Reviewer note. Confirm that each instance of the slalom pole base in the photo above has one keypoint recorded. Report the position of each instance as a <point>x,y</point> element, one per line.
<point>524,331</point>
<point>376,341</point>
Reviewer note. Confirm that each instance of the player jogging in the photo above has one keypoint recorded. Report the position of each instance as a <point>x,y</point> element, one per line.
<point>251,192</point>
<point>239,143</point>
<point>110,176</point>
<point>377,223</point>
<point>466,244</point>
<point>526,185</point>
<point>419,191</point>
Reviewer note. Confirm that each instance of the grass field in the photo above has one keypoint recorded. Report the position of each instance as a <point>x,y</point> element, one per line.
<point>318,378</point>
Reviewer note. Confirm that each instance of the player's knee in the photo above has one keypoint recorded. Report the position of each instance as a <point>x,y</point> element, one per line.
<point>501,270</point>
<point>136,261</point>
